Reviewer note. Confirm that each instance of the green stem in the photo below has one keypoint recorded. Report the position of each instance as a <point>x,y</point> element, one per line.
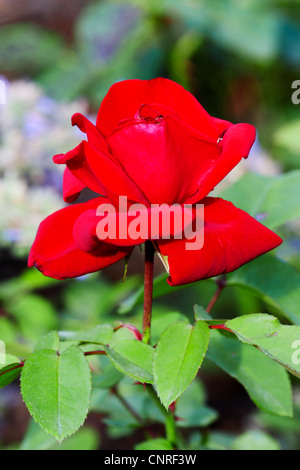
<point>170,426</point>
<point>148,291</point>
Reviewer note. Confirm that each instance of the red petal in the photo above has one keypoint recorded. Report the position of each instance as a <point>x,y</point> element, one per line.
<point>56,254</point>
<point>94,136</point>
<point>99,172</point>
<point>72,186</point>
<point>112,176</point>
<point>231,238</point>
<point>222,125</point>
<point>167,160</point>
<point>235,145</point>
<point>76,162</point>
<point>125,98</point>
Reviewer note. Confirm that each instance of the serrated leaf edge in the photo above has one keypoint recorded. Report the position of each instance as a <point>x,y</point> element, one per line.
<point>155,353</point>
<point>32,414</point>
<point>135,377</point>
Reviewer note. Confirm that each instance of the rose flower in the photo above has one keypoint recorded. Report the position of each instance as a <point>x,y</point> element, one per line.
<point>154,144</point>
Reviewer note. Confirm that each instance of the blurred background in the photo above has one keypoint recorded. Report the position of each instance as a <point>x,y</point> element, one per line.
<point>58,57</point>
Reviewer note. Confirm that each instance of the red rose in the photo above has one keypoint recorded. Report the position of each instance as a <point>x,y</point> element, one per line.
<point>153,143</point>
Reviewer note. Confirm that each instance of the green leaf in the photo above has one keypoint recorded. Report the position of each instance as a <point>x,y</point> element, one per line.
<point>9,360</point>
<point>248,192</point>
<point>102,334</point>
<point>254,440</point>
<point>122,334</point>
<point>274,201</point>
<point>276,282</point>
<point>279,342</point>
<point>282,201</point>
<point>201,314</point>
<point>154,444</point>
<point>85,347</point>
<point>48,341</point>
<point>161,321</point>
<point>10,370</point>
<point>132,358</point>
<point>178,356</point>
<point>266,382</point>
<point>108,377</point>
<point>56,390</point>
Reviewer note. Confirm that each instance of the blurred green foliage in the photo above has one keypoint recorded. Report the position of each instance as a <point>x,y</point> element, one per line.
<point>238,57</point>
<point>28,48</point>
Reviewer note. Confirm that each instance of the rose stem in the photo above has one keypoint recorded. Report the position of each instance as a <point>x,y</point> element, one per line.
<point>221,283</point>
<point>148,296</point>
<point>13,368</point>
<point>148,291</point>
<point>95,353</point>
<point>220,327</point>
